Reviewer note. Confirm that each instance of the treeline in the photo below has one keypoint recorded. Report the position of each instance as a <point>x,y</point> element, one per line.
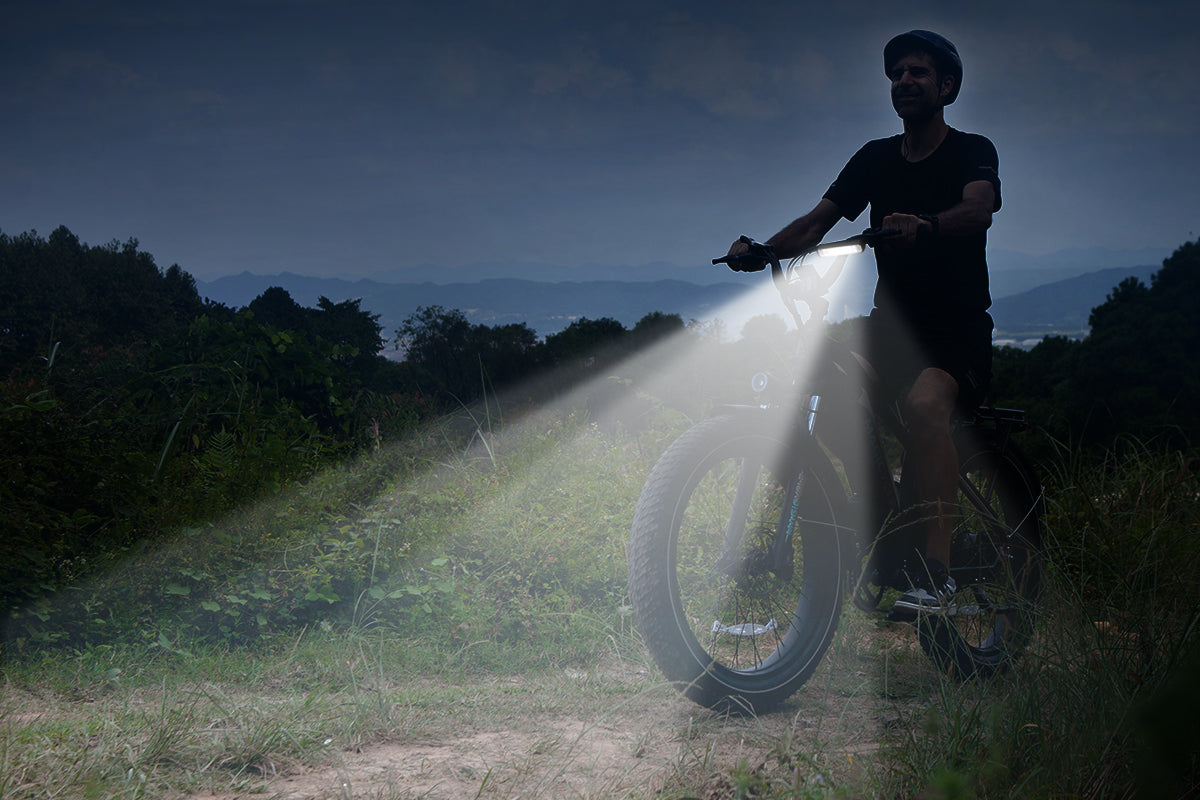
<point>130,406</point>
<point>1136,374</point>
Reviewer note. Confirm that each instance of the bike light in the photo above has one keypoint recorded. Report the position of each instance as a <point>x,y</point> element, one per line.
<point>836,249</point>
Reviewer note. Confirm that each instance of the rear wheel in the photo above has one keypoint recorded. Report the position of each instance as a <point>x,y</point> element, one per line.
<point>996,564</point>
<point>735,568</point>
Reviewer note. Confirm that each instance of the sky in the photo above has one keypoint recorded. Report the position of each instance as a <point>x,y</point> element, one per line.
<point>570,140</point>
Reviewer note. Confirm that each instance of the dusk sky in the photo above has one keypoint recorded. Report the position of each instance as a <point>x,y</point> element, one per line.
<point>449,141</point>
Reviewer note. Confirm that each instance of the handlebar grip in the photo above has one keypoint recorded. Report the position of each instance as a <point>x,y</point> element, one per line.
<point>756,257</point>
<point>872,235</point>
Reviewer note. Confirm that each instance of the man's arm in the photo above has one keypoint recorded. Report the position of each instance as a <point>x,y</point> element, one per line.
<point>972,215</point>
<point>804,232</point>
<point>800,234</point>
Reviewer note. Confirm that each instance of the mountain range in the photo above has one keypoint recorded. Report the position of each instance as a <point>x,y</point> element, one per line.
<point>1030,298</point>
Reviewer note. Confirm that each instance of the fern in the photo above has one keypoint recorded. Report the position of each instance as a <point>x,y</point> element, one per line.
<point>219,457</point>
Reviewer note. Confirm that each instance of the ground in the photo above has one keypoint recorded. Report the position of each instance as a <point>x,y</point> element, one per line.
<point>627,735</point>
<point>347,723</point>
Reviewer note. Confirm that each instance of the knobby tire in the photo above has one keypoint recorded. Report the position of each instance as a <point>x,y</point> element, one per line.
<point>737,561</point>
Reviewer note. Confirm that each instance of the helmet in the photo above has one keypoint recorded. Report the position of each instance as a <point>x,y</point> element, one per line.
<point>945,55</point>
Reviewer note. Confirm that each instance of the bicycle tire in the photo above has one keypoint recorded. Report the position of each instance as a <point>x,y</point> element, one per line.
<point>731,625</point>
<point>996,563</point>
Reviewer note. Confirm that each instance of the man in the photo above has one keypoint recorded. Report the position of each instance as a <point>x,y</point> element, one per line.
<point>938,188</point>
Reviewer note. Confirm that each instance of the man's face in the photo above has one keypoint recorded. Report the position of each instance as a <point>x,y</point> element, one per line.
<point>917,92</point>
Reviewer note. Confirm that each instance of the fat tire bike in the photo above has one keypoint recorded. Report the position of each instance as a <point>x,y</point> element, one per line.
<point>756,524</point>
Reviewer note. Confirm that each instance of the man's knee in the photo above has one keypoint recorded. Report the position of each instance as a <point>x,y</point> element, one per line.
<point>930,402</point>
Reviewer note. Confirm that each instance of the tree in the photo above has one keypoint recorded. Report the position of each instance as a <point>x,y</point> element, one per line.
<point>276,307</point>
<point>655,326</point>
<point>1137,372</point>
<point>593,340</point>
<point>505,352</point>
<point>438,341</point>
<point>464,360</point>
<point>355,334</point>
<point>1140,366</point>
<point>97,298</point>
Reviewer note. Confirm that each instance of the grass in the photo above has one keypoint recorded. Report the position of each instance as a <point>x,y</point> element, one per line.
<point>1084,713</point>
<point>480,592</point>
<point>221,720</point>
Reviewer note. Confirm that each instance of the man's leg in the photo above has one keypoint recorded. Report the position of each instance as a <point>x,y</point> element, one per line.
<point>928,409</point>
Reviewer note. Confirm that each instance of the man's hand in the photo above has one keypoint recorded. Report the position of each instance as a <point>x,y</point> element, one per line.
<point>739,261</point>
<point>907,228</point>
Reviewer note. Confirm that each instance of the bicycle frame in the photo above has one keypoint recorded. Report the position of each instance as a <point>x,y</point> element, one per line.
<point>842,382</point>
<point>753,525</point>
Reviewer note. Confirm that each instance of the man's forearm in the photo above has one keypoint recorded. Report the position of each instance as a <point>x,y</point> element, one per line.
<point>805,232</point>
<point>972,215</point>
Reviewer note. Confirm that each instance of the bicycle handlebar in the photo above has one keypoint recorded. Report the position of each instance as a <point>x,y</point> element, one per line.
<point>760,254</point>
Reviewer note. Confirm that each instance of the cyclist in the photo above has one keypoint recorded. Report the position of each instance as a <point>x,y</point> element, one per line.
<point>929,333</point>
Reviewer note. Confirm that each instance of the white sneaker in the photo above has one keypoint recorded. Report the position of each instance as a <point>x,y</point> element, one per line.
<point>922,601</point>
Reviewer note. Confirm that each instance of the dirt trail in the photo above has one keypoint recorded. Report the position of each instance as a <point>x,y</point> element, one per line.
<point>568,758</point>
<point>645,738</point>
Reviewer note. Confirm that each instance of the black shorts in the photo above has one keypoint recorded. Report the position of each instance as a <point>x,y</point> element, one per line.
<point>899,353</point>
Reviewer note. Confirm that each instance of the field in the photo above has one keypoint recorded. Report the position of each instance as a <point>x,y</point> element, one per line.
<point>448,618</point>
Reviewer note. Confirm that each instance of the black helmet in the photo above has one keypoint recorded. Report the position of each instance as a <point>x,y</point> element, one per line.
<point>945,55</point>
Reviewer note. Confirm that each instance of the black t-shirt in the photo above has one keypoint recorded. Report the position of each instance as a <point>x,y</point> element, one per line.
<point>942,283</point>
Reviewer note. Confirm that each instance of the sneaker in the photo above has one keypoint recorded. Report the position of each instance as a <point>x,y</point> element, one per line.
<point>933,595</point>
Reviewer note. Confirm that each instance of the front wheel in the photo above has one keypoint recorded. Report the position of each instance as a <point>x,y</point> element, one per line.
<point>735,567</point>
<point>996,563</point>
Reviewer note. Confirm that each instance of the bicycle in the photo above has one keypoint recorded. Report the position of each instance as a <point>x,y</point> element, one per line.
<point>754,525</point>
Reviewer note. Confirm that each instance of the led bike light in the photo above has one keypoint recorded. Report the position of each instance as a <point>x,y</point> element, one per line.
<point>835,249</point>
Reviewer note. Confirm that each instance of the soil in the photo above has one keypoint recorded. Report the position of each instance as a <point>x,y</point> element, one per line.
<point>648,740</point>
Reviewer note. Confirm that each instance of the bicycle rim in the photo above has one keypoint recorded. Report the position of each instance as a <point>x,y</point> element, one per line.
<point>753,566</point>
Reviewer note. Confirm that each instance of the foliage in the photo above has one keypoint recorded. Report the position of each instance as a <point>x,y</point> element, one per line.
<point>443,536</point>
<point>129,408</point>
<point>1136,373</point>
<point>62,291</point>
<point>461,362</point>
<point>351,335</point>
<point>1086,711</point>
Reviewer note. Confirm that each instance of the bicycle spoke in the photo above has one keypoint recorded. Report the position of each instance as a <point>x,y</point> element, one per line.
<point>995,566</point>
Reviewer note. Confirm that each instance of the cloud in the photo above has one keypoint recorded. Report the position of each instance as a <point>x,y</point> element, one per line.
<point>597,129</point>
<point>718,69</point>
<point>583,71</point>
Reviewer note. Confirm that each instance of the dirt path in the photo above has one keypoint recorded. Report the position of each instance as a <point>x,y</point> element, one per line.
<point>628,736</point>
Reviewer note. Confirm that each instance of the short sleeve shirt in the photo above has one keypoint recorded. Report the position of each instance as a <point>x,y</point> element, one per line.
<point>942,283</point>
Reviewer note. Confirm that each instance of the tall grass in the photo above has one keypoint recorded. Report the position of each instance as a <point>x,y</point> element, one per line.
<point>1104,702</point>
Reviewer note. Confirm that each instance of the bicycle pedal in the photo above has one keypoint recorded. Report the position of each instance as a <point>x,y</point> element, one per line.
<point>864,600</point>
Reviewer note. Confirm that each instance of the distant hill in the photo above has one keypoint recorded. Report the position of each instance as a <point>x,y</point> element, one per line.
<point>545,307</point>
<point>1059,306</point>
<point>1013,273</point>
